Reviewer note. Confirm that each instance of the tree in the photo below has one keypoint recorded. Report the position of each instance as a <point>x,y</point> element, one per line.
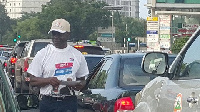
<point>84,17</point>
<point>135,28</point>
<point>5,22</point>
<point>178,44</point>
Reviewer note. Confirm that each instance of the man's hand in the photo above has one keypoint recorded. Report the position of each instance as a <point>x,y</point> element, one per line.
<point>54,81</point>
<point>80,85</point>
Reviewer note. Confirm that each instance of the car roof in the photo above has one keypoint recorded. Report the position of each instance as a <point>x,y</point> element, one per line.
<point>42,40</point>
<point>93,55</point>
<point>127,55</point>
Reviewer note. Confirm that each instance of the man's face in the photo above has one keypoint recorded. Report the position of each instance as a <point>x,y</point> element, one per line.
<point>60,39</point>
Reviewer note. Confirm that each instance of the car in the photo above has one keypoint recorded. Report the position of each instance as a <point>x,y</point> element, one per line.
<point>114,80</point>
<point>9,64</point>
<point>21,76</point>
<point>86,48</point>
<point>92,60</point>
<point>12,102</point>
<point>176,89</point>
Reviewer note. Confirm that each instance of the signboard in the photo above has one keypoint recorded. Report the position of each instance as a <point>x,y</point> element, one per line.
<point>164,28</point>
<point>153,46</point>
<point>105,34</point>
<point>152,18</point>
<point>105,39</point>
<point>152,34</point>
<point>152,25</point>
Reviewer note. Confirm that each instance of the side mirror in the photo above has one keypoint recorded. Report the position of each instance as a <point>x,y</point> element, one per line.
<point>28,101</point>
<point>155,63</point>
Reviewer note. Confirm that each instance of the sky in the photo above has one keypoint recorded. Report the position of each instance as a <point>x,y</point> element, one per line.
<point>143,9</point>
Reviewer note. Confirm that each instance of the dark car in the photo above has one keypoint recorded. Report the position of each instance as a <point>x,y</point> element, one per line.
<point>114,83</point>
<point>178,90</point>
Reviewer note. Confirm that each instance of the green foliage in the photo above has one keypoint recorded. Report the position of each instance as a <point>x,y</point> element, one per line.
<point>84,18</point>
<point>5,22</point>
<point>178,44</point>
<point>135,28</point>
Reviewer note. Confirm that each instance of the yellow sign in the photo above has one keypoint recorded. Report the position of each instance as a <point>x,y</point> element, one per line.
<point>152,18</point>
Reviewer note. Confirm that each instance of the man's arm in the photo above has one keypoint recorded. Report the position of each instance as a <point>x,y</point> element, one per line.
<point>41,82</point>
<point>81,84</point>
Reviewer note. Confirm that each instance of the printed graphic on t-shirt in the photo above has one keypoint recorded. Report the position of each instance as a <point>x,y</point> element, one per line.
<point>63,69</point>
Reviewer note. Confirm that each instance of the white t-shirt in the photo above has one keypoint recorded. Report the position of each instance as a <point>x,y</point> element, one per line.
<point>61,63</point>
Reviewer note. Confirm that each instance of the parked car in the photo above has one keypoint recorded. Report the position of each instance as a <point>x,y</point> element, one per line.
<point>177,90</point>
<point>21,77</point>
<point>115,79</point>
<point>11,102</point>
<point>9,64</point>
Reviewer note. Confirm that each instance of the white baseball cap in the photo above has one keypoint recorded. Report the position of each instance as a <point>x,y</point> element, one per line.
<point>60,25</point>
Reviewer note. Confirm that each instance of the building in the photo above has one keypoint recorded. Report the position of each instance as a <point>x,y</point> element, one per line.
<point>130,7</point>
<point>171,19</point>
<point>15,8</point>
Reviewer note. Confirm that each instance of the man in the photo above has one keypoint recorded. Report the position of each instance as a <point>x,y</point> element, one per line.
<point>54,65</point>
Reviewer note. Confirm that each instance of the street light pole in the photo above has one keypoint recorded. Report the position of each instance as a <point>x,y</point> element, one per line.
<point>112,8</point>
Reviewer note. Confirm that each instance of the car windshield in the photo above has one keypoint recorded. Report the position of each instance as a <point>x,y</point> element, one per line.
<point>38,46</point>
<point>191,62</point>
<point>92,61</point>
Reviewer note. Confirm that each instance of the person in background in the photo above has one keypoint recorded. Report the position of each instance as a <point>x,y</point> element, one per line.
<point>55,64</point>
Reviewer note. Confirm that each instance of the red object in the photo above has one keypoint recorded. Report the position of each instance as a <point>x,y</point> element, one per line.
<point>5,64</point>
<point>13,71</point>
<point>13,60</point>
<point>79,46</point>
<point>26,64</point>
<point>124,104</point>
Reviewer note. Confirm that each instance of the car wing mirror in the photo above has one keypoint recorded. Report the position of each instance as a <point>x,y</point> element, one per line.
<point>155,63</point>
<point>28,101</point>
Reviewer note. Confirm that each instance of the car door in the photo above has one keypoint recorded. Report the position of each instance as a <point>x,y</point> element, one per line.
<point>96,86</point>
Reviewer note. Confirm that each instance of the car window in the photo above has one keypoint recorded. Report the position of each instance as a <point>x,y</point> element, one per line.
<point>132,73</point>
<point>191,62</point>
<point>92,61</point>
<point>26,49</point>
<point>91,50</point>
<point>19,48</point>
<point>38,46</point>
<point>99,81</point>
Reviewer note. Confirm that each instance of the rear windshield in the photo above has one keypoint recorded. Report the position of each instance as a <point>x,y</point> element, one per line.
<point>132,73</point>
<point>38,46</point>
<point>91,50</point>
<point>19,48</point>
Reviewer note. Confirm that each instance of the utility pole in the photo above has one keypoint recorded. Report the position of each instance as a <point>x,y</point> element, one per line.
<point>0,38</point>
<point>127,40</point>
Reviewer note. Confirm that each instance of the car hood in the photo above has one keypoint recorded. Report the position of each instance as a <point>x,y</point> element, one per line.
<point>170,96</point>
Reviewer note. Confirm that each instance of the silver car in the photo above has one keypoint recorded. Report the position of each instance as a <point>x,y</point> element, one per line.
<point>177,89</point>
